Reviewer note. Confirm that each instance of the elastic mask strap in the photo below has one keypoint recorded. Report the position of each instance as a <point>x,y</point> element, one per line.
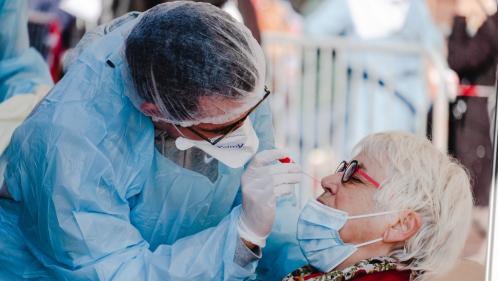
<point>174,126</point>
<point>181,134</point>
<point>372,215</point>
<point>369,242</point>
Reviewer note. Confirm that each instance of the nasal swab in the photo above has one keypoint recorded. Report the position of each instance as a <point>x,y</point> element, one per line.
<point>286,160</point>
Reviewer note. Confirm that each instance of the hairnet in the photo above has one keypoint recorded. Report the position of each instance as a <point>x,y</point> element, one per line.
<point>195,63</point>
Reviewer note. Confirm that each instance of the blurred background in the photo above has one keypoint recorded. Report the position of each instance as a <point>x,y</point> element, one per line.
<point>342,69</point>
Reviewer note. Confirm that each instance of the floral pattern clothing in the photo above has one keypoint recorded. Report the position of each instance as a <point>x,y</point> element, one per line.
<point>364,267</point>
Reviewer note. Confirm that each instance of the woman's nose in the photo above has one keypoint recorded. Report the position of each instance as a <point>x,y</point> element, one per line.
<point>332,183</point>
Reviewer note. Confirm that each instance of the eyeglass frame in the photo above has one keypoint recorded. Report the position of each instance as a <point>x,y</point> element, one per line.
<point>229,129</point>
<point>356,166</point>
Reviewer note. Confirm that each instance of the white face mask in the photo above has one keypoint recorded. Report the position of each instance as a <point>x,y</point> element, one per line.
<point>234,150</point>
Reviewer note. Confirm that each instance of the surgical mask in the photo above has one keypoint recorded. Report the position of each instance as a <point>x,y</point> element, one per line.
<point>234,150</point>
<point>318,235</point>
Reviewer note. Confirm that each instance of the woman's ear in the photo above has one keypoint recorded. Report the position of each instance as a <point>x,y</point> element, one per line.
<point>405,227</point>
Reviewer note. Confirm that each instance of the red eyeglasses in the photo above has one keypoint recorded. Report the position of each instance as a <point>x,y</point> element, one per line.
<point>349,169</point>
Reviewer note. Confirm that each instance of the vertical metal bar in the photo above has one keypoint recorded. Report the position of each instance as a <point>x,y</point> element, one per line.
<point>308,108</point>
<point>309,94</point>
<point>492,248</point>
<point>355,88</point>
<point>440,109</point>
<point>421,115</point>
<point>340,104</point>
<point>298,122</point>
<point>325,98</point>
<point>370,98</point>
<point>280,94</point>
<point>295,103</point>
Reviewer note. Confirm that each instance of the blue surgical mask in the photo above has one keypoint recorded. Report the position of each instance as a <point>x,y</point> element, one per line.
<point>318,235</point>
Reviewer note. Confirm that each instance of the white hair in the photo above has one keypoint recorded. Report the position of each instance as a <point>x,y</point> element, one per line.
<point>421,178</point>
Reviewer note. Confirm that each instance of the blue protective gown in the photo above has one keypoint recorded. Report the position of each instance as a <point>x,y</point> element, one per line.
<point>95,200</point>
<point>22,69</point>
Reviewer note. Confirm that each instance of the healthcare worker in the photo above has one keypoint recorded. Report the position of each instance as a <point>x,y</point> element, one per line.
<point>137,164</point>
<point>24,75</point>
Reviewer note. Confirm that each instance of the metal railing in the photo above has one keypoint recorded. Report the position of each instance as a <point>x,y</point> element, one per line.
<point>318,98</point>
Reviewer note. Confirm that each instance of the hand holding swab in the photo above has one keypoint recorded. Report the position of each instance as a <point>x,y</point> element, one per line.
<point>289,160</point>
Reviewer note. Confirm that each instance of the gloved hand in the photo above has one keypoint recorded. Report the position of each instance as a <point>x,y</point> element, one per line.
<point>264,181</point>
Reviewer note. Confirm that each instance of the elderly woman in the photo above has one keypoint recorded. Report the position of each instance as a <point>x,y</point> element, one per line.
<point>400,210</point>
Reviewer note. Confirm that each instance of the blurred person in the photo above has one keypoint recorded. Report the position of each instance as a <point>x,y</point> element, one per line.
<point>24,76</point>
<point>277,16</point>
<point>137,165</point>
<point>400,210</point>
<point>442,12</point>
<point>305,7</point>
<point>52,31</point>
<point>242,10</point>
<point>400,94</point>
<point>472,48</point>
<point>475,12</point>
<point>473,55</point>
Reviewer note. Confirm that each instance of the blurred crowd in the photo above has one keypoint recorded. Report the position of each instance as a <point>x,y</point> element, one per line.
<point>468,26</point>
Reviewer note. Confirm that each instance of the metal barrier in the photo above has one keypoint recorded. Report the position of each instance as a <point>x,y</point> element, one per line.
<point>319,97</point>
